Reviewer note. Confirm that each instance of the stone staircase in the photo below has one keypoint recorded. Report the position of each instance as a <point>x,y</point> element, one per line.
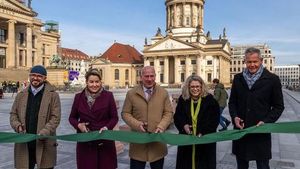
<point>13,75</point>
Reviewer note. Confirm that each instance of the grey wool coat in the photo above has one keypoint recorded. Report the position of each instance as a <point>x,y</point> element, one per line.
<point>48,120</point>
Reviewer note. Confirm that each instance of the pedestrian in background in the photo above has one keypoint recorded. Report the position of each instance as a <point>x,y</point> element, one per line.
<point>94,109</point>
<point>221,96</point>
<point>197,113</point>
<point>256,98</point>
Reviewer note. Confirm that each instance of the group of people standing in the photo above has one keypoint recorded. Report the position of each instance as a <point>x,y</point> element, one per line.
<point>255,99</point>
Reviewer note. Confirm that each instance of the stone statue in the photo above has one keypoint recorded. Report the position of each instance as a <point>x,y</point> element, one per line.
<point>158,33</point>
<point>208,35</point>
<point>146,41</point>
<point>224,33</point>
<point>54,60</point>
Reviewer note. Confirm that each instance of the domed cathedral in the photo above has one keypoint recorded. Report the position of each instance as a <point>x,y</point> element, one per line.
<point>186,49</point>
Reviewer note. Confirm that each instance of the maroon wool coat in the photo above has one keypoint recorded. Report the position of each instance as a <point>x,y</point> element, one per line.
<point>100,154</point>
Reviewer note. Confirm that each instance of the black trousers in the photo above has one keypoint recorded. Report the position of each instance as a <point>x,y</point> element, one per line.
<point>244,164</point>
<point>135,164</point>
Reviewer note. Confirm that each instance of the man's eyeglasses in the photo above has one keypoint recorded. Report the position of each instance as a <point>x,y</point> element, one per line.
<point>36,75</point>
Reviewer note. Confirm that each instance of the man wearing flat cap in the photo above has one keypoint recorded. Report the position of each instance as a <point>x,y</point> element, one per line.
<point>36,110</point>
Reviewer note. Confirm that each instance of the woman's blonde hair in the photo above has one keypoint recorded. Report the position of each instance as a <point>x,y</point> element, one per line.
<point>186,87</point>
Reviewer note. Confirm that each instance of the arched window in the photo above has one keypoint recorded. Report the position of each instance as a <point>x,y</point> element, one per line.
<point>117,73</point>
<point>126,74</point>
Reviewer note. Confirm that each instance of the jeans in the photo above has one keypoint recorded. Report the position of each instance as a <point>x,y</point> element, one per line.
<point>135,164</point>
<point>223,120</point>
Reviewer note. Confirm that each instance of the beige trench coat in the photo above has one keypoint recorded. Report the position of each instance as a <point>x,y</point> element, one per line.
<point>157,112</point>
<point>48,120</point>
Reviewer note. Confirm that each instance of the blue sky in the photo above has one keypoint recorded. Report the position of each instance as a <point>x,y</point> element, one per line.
<point>93,25</point>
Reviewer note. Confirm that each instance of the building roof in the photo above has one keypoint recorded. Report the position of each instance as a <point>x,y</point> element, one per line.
<point>73,54</point>
<point>120,53</point>
<point>217,41</point>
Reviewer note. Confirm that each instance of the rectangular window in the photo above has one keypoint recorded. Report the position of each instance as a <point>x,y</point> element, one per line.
<point>21,39</point>
<point>194,62</point>
<point>187,20</point>
<point>151,63</point>
<point>33,41</point>
<point>209,62</point>
<point>2,36</point>
<point>161,78</point>
<point>182,62</point>
<point>208,77</point>
<point>161,63</point>
<point>33,55</point>
<point>44,49</point>
<point>182,77</point>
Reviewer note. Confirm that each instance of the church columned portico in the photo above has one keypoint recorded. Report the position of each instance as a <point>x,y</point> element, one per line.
<point>185,49</point>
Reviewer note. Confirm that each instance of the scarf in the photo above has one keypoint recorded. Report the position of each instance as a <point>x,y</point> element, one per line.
<point>194,114</point>
<point>91,97</point>
<point>252,78</point>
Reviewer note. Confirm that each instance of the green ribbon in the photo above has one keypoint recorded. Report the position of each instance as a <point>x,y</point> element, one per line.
<point>168,138</point>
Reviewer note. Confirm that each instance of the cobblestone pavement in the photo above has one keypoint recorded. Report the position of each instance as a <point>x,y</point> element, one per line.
<point>285,147</point>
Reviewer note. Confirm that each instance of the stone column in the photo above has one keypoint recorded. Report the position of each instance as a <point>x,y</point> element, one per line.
<point>187,66</point>
<point>166,70</point>
<point>176,71</point>
<point>214,67</point>
<point>183,21</point>
<point>11,59</point>
<point>168,17</point>
<point>192,15</point>
<point>175,16</point>
<point>29,45</point>
<point>202,13</point>
<point>156,67</point>
<point>199,65</point>
<point>200,16</point>
<point>146,62</point>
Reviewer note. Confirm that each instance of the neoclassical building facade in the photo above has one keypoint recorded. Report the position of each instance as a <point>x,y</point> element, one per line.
<point>120,66</point>
<point>23,40</point>
<point>186,49</point>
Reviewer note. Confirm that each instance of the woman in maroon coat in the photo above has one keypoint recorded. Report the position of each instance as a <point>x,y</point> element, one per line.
<point>94,109</point>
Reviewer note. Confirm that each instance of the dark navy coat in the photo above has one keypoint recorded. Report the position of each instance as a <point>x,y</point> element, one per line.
<point>263,102</point>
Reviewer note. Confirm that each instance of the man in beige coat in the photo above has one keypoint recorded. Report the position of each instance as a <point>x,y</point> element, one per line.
<point>36,110</point>
<point>147,108</point>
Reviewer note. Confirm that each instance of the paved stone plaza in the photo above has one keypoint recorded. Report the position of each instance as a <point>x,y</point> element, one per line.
<point>286,147</point>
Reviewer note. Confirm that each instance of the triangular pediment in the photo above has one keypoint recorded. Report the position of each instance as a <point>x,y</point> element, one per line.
<point>227,48</point>
<point>16,6</point>
<point>170,44</point>
<point>100,61</point>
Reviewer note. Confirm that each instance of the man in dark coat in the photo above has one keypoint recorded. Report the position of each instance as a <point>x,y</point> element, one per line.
<point>256,98</point>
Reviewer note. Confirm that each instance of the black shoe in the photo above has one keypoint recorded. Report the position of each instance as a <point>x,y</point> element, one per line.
<point>223,129</point>
<point>227,123</point>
